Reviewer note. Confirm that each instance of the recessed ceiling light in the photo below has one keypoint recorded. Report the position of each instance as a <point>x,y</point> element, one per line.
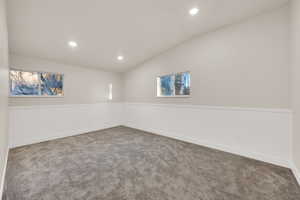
<point>73,44</point>
<point>194,11</point>
<point>120,58</point>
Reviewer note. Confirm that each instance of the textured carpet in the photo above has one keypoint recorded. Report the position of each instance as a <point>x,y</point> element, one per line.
<point>128,164</point>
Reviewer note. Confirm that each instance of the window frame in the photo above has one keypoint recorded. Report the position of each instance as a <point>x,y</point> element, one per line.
<point>174,96</point>
<point>34,96</point>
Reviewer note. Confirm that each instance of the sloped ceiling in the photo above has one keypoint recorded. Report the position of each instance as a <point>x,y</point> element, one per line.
<point>104,29</point>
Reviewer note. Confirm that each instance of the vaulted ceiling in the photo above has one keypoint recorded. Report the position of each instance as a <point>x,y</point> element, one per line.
<point>106,29</point>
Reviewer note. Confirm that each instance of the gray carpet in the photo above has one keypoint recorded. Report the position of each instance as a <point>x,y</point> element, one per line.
<point>128,164</point>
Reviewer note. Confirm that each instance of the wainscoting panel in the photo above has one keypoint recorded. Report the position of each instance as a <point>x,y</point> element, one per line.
<point>295,171</point>
<point>262,134</point>
<point>2,181</point>
<point>32,124</point>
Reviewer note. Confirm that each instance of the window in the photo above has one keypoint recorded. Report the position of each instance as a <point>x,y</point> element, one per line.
<point>174,85</point>
<point>24,83</point>
<point>110,91</point>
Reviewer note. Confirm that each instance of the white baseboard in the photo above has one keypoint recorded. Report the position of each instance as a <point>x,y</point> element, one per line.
<point>60,135</point>
<point>296,172</point>
<point>240,152</point>
<point>3,175</point>
<point>252,155</point>
<point>33,124</point>
<point>261,134</point>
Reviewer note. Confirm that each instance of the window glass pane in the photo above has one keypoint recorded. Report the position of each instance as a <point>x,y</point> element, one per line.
<point>165,85</point>
<point>110,90</point>
<point>24,83</point>
<point>51,84</point>
<point>182,83</point>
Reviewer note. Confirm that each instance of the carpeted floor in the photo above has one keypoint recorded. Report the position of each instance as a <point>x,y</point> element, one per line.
<point>128,164</point>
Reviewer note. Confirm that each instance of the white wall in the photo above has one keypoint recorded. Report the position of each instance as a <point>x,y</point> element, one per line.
<point>32,124</point>
<point>263,134</point>
<point>3,92</point>
<point>295,63</point>
<point>85,106</point>
<point>242,65</point>
<point>81,85</point>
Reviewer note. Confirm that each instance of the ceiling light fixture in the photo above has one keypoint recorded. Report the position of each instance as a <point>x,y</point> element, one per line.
<point>120,58</point>
<point>194,11</point>
<point>73,44</point>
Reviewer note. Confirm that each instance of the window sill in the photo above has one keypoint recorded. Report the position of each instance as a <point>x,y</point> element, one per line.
<point>36,96</point>
<point>179,96</point>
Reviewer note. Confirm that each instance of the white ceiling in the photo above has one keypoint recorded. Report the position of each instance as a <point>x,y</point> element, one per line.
<point>103,29</point>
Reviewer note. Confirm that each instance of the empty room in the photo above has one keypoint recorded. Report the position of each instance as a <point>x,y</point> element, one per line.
<point>150,100</point>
